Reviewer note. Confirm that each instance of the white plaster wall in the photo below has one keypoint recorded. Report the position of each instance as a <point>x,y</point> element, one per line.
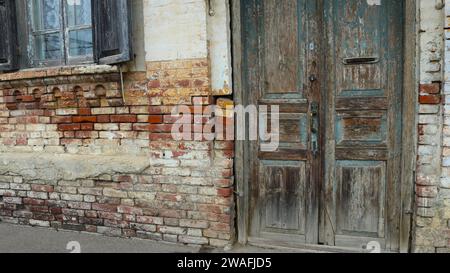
<point>431,41</point>
<point>175,29</point>
<point>219,37</point>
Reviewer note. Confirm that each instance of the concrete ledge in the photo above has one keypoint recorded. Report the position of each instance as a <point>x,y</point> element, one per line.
<point>43,166</point>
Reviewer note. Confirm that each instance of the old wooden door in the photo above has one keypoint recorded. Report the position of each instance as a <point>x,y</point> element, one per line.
<point>363,95</point>
<point>280,68</point>
<point>335,70</point>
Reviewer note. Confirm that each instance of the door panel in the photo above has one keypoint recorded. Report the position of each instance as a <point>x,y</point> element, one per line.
<point>282,67</point>
<point>360,196</point>
<point>276,63</point>
<point>363,98</point>
<point>283,187</point>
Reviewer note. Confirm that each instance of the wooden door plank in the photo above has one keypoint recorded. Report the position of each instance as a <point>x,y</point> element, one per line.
<point>364,105</point>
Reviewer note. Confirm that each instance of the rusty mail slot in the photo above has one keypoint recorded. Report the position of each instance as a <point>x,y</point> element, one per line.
<point>361,60</point>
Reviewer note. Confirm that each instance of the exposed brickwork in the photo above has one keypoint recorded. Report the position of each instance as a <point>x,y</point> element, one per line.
<point>432,207</point>
<point>186,194</point>
<point>444,186</point>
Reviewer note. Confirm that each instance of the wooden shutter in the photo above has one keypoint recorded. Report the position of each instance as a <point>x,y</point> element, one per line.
<point>8,34</point>
<point>112,31</point>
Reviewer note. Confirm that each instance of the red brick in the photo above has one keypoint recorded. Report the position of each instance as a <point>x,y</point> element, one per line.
<point>42,188</point>
<point>224,218</point>
<point>33,202</point>
<point>160,136</point>
<point>199,83</point>
<point>56,211</point>
<point>27,120</point>
<point>225,192</point>
<point>87,126</point>
<point>421,130</point>
<point>154,84</point>
<point>67,95</point>
<point>155,119</point>
<point>431,88</point>
<point>28,98</point>
<point>425,191</point>
<point>168,197</point>
<point>124,118</point>
<point>176,118</point>
<point>84,111</point>
<point>183,83</point>
<point>69,127</point>
<point>103,119</point>
<point>110,215</point>
<point>21,141</point>
<point>124,178</point>
<point>220,227</point>
<point>39,208</point>
<point>43,216</point>
<point>80,119</point>
<point>67,104</point>
<point>430,99</point>
<point>104,207</point>
<point>129,210</point>
<point>160,128</point>
<point>156,110</point>
<point>12,106</point>
<point>210,208</point>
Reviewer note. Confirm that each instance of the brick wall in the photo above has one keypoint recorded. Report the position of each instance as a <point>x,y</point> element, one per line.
<point>431,232</point>
<point>79,154</point>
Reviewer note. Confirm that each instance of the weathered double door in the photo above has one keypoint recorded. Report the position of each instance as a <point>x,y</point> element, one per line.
<point>334,67</point>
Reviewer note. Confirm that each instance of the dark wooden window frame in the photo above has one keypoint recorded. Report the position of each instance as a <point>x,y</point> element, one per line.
<point>409,128</point>
<point>100,56</point>
<point>8,44</point>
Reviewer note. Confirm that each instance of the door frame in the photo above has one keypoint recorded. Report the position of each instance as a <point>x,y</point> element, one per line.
<point>409,125</point>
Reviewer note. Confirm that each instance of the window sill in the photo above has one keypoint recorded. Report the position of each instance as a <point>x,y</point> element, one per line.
<point>62,71</point>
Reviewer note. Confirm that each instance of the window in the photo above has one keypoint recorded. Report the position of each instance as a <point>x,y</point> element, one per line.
<point>61,31</point>
<point>64,32</point>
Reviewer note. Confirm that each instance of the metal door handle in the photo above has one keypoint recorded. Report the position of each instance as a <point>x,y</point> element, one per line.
<point>361,60</point>
<point>314,124</point>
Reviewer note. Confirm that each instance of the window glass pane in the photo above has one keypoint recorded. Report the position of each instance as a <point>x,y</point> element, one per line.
<point>78,12</point>
<point>53,39</point>
<point>48,46</point>
<point>80,42</point>
<point>46,14</point>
